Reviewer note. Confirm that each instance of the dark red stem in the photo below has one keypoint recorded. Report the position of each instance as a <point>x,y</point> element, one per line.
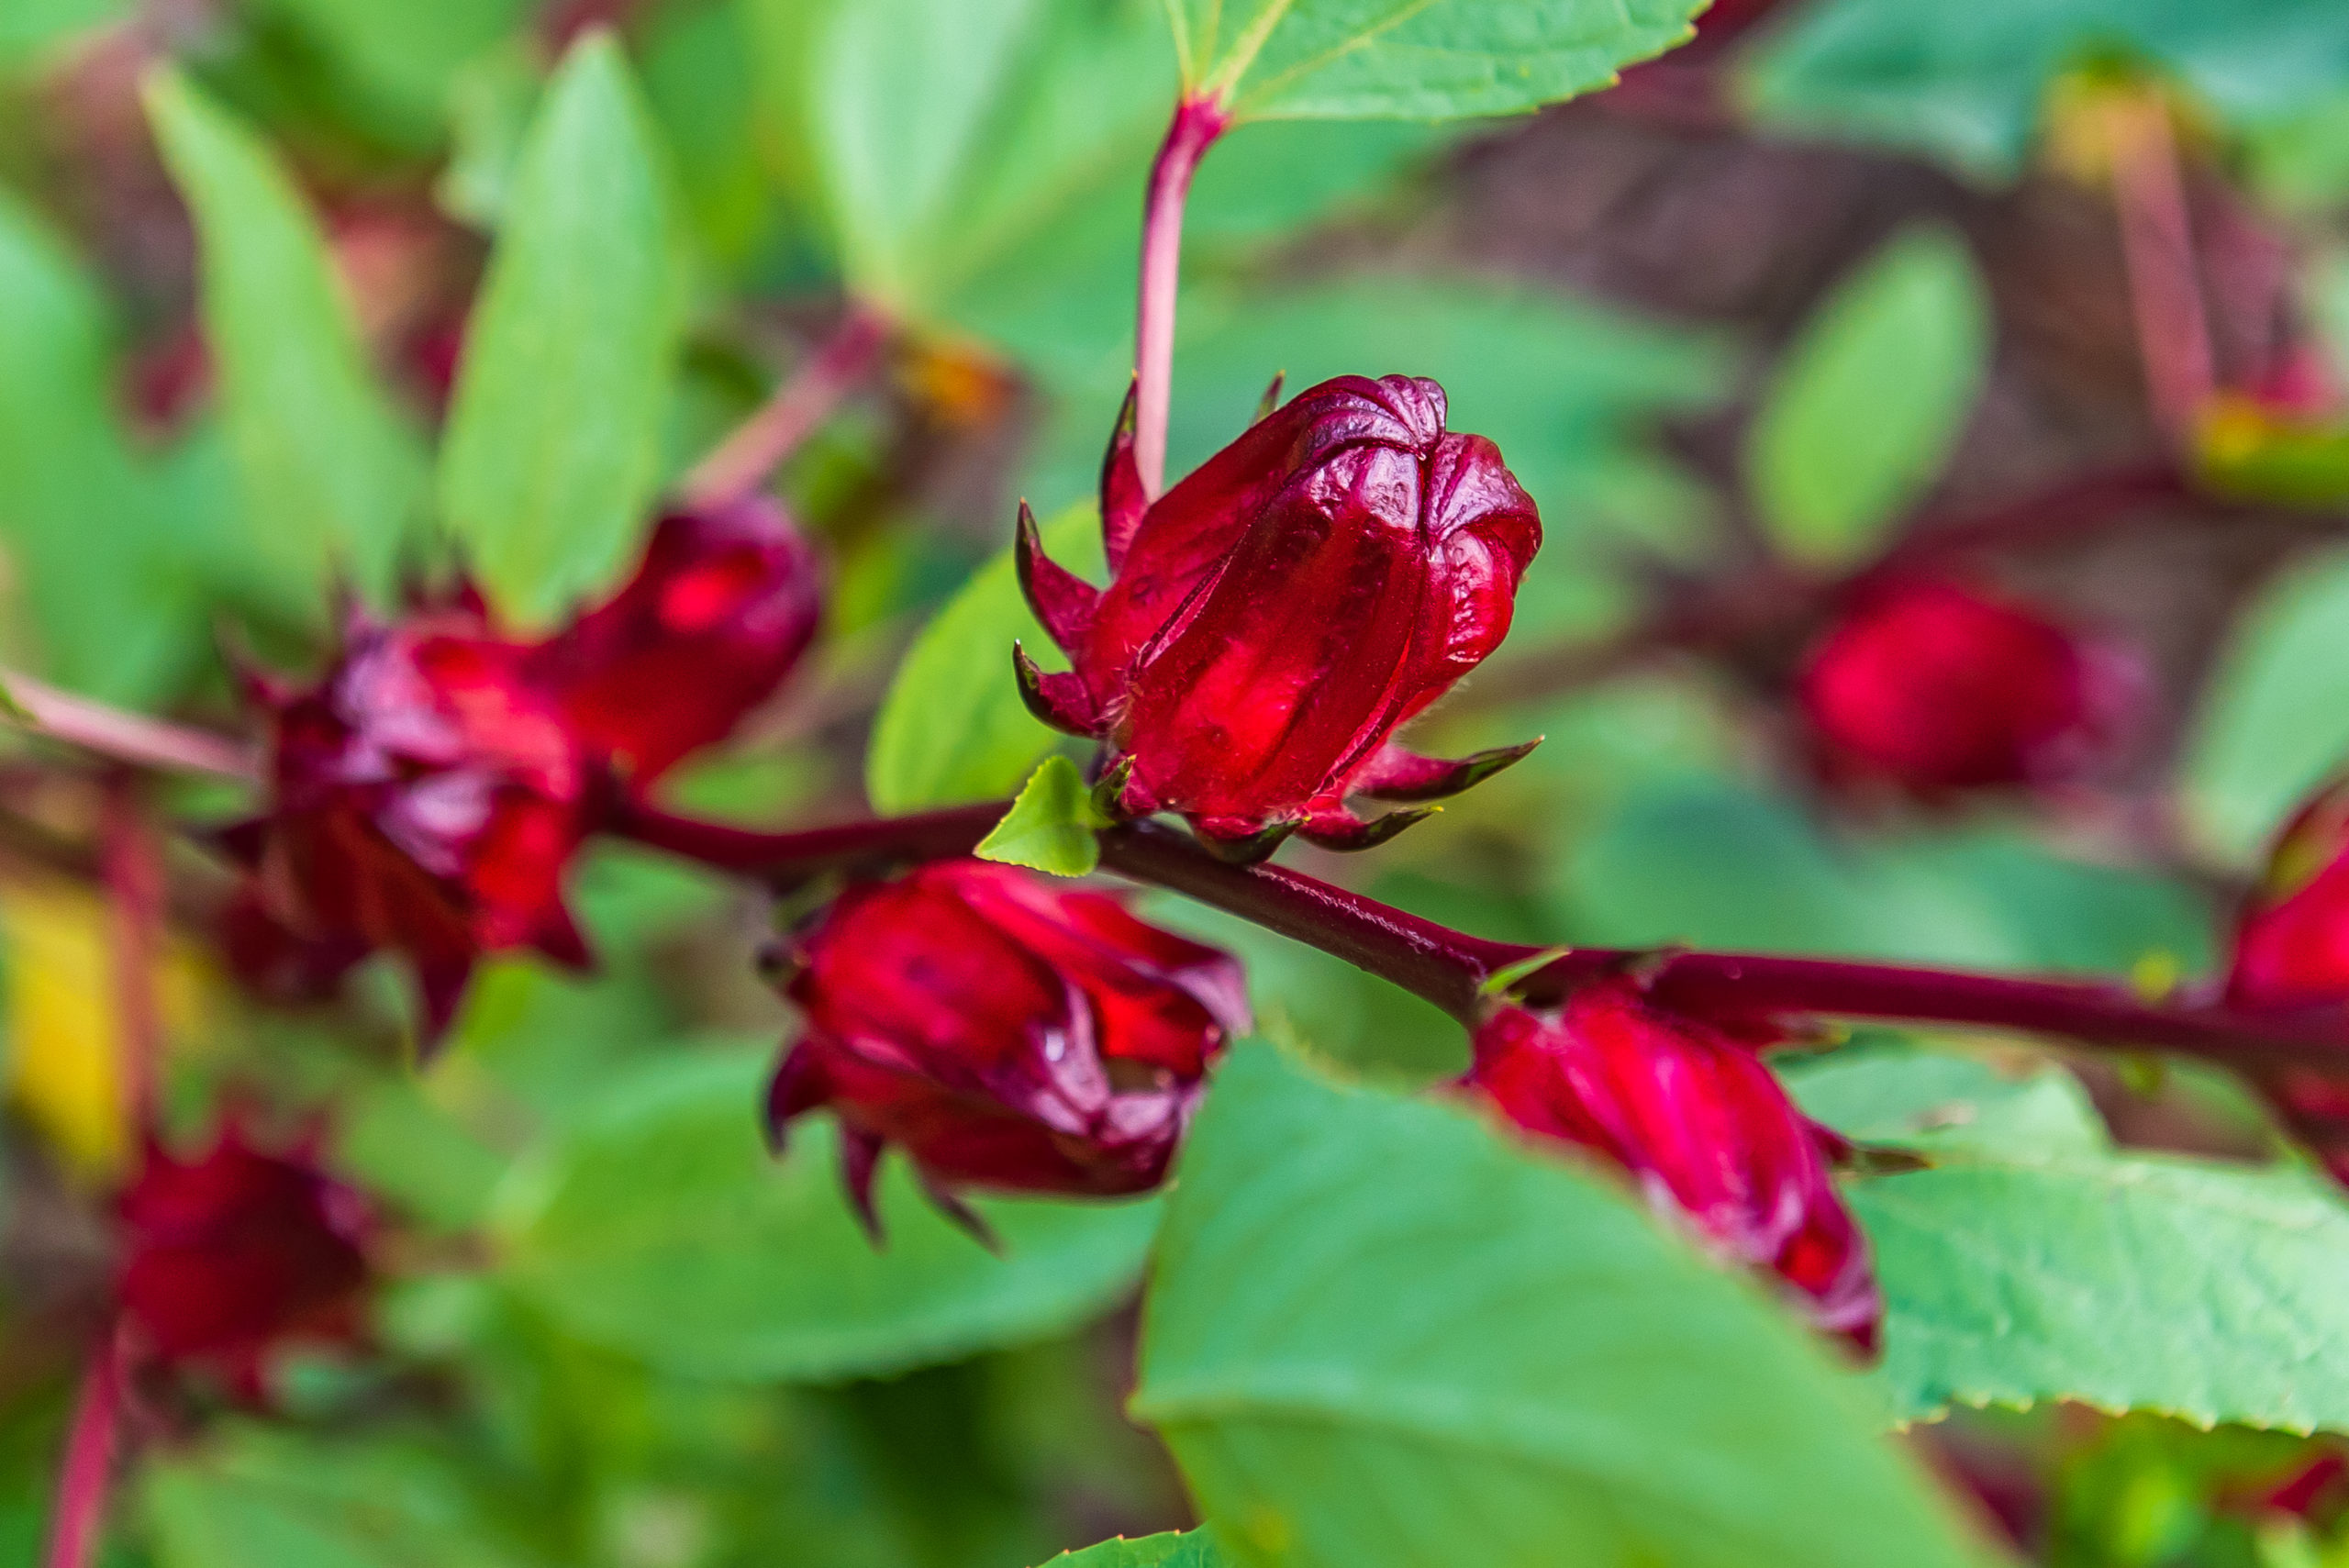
<point>132,862</point>
<point>78,1515</point>
<point>746,459</point>
<point>1197,122</point>
<point>1450,967</point>
<point>791,858</point>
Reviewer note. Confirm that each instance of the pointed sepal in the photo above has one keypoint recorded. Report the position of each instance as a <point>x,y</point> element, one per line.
<point>1238,842</point>
<point>1272,398</point>
<point>1057,701</point>
<point>1342,830</point>
<point>797,1088</point>
<point>1123,500</point>
<point>965,1216</point>
<point>1393,774</point>
<point>1063,601</point>
<point>859,1161</point>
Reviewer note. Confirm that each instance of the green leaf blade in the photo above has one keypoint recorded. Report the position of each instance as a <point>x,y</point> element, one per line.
<point>554,446</point>
<point>1871,400</point>
<point>952,728</point>
<point>2212,1293</point>
<point>1188,1549</point>
<point>661,1229</point>
<point>1426,60</point>
<point>111,614</point>
<point>333,483</point>
<point>1587,1378</point>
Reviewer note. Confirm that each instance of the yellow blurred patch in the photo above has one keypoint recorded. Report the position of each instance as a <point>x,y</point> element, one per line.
<point>65,1067</point>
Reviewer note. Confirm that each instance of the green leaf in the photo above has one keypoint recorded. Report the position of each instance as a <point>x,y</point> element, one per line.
<point>400,60</point>
<point>1967,82</point>
<point>1050,826</point>
<point>1871,399</point>
<point>554,436</point>
<point>2214,1293</point>
<point>1581,1381</point>
<point>75,513</point>
<point>1715,864</point>
<point>1426,60</point>
<point>1190,1549</point>
<point>952,728</point>
<point>944,131</point>
<point>27,27</point>
<point>331,481</point>
<point>2273,721</point>
<point>1937,1102</point>
<point>250,1497</point>
<point>661,1228</point>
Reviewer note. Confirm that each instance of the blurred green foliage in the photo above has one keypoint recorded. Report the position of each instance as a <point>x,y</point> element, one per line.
<point>1375,1332</point>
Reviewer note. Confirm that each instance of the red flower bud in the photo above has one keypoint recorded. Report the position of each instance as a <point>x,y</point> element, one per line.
<point>1933,687</point>
<point>2292,941</point>
<point>2291,950</point>
<point>1700,1124</point>
<point>233,1253</point>
<point>1273,618</point>
<point>722,607</point>
<point>427,799</point>
<point>1008,1032</point>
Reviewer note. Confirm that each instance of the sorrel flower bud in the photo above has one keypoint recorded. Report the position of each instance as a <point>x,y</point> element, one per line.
<point>1273,618</point>
<point>237,1252</point>
<point>723,605</point>
<point>1702,1127</point>
<point>2291,944</point>
<point>1008,1032</point>
<point>425,799</point>
<point>1933,686</point>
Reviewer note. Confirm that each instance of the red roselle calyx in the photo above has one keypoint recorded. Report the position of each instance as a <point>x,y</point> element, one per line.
<point>240,1250</point>
<point>428,794</point>
<point>426,797</point>
<point>1934,686</point>
<point>2292,952</point>
<point>2292,941</point>
<point>1008,1032</point>
<point>1273,620</point>
<point>1700,1124</point>
<point>724,604</point>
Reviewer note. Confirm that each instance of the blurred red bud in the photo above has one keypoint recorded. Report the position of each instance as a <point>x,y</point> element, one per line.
<point>1008,1032</point>
<point>1702,1127</point>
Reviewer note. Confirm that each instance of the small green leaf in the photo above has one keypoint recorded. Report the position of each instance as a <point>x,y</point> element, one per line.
<point>2273,721</point>
<point>2209,1292</point>
<point>332,482</point>
<point>659,1226</point>
<point>1500,981</point>
<point>1426,60</point>
<point>554,435</point>
<point>1871,399</point>
<point>1050,826</point>
<point>1191,1549</point>
<point>1589,1385</point>
<point>952,728</point>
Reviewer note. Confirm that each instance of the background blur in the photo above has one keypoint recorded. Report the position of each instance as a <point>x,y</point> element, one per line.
<point>1841,272</point>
